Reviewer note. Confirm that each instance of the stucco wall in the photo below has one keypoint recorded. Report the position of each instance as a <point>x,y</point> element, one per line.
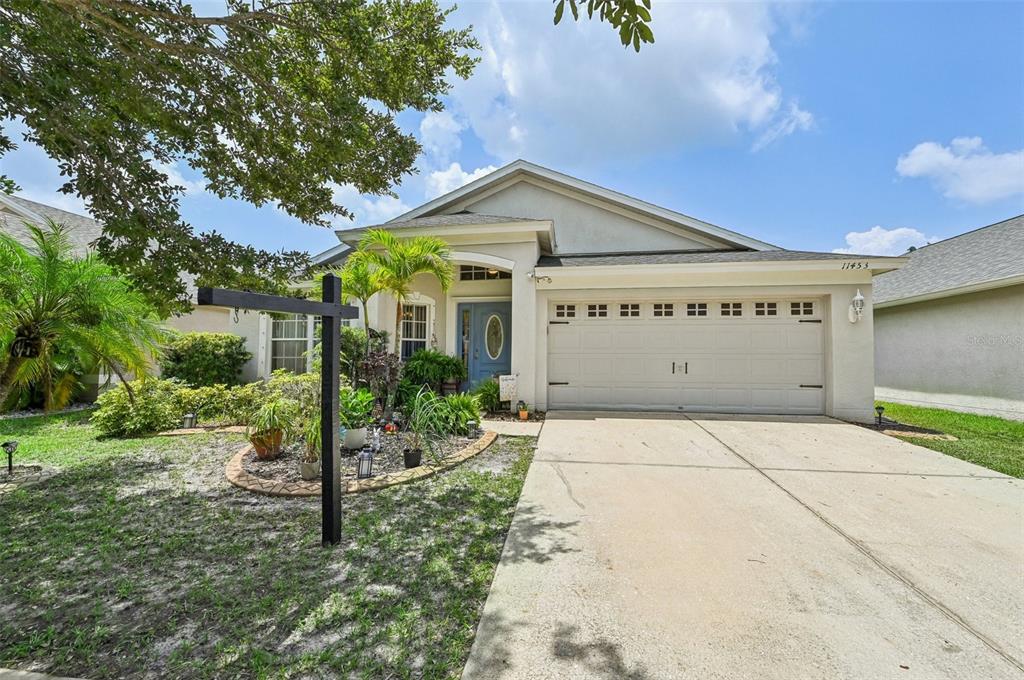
<point>964,352</point>
<point>581,227</point>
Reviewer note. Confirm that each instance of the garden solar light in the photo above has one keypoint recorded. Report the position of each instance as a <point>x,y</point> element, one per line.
<point>9,448</point>
<point>188,421</point>
<point>365,468</point>
<point>879,410</point>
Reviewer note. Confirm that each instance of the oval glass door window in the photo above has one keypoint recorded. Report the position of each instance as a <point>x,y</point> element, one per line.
<point>494,337</point>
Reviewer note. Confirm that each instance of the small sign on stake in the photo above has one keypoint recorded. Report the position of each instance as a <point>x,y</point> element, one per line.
<point>507,387</point>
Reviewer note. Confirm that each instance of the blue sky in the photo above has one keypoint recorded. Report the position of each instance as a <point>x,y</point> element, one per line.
<point>865,126</point>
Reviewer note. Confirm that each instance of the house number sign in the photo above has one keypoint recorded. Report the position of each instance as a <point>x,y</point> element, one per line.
<point>855,265</point>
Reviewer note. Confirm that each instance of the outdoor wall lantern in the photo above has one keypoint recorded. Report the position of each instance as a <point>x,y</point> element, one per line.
<point>473,427</point>
<point>9,448</point>
<point>879,410</point>
<point>188,421</point>
<point>365,468</point>
<point>857,307</point>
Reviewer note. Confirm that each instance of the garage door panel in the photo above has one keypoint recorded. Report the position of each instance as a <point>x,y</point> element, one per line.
<point>741,365</point>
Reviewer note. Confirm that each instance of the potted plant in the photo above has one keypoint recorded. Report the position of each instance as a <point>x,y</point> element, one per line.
<point>524,410</point>
<point>425,421</point>
<point>270,426</point>
<point>355,408</point>
<point>309,466</point>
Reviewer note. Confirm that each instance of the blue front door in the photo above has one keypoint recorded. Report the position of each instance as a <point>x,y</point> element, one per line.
<point>485,329</point>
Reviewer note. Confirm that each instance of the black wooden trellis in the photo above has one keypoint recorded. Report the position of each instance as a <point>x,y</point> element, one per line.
<point>331,312</point>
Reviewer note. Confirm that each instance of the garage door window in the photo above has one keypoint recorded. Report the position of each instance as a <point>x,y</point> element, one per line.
<point>597,311</point>
<point>664,310</point>
<point>732,309</point>
<point>801,309</point>
<point>696,309</point>
<point>630,310</point>
<point>766,309</point>
<point>565,311</point>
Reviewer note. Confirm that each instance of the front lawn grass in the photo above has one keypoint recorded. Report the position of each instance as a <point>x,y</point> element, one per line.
<point>140,560</point>
<point>988,441</point>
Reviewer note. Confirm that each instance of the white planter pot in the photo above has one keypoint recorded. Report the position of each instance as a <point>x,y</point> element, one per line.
<point>355,439</point>
<point>309,471</point>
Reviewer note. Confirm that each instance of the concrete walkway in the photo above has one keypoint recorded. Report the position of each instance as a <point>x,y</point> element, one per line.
<point>753,547</point>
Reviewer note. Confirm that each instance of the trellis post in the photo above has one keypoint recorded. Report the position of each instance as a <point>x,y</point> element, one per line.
<point>331,312</point>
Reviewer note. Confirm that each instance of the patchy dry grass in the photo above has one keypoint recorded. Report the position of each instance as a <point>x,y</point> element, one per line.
<point>140,560</point>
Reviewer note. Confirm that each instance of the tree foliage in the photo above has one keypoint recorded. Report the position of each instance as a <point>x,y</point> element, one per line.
<point>272,101</point>
<point>631,18</point>
<point>57,307</point>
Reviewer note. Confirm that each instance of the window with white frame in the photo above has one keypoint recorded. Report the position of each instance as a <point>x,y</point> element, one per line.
<point>801,309</point>
<point>664,310</point>
<point>696,309</point>
<point>629,310</point>
<point>565,311</point>
<point>292,339</point>
<point>597,311</point>
<point>468,272</point>
<point>415,328</point>
<point>766,309</point>
<point>732,309</point>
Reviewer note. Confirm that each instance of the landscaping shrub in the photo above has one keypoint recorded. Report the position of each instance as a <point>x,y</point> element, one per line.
<point>489,395</point>
<point>355,407</point>
<point>303,388</point>
<point>154,408</point>
<point>210,404</point>
<point>432,368</point>
<point>200,359</point>
<point>457,410</point>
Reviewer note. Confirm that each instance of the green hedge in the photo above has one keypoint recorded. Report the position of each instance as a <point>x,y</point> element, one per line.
<point>203,359</point>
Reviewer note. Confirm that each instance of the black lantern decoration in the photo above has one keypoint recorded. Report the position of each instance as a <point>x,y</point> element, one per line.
<point>879,410</point>
<point>188,421</point>
<point>473,427</point>
<point>365,463</point>
<point>9,448</point>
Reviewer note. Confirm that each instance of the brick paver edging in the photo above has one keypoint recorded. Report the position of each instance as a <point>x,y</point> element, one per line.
<point>203,429</point>
<point>237,475</point>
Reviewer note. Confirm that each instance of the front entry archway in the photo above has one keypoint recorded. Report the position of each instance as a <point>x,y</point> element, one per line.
<point>485,336</point>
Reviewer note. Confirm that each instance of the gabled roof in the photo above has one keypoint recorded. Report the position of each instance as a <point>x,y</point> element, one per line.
<point>15,211</point>
<point>989,257</point>
<point>458,219</point>
<point>525,168</point>
<point>700,257</point>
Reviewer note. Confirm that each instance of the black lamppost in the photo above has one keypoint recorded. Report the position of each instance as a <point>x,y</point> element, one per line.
<point>9,448</point>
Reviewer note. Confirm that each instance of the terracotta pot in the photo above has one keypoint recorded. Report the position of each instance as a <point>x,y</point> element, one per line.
<point>524,415</point>
<point>413,457</point>
<point>267,444</point>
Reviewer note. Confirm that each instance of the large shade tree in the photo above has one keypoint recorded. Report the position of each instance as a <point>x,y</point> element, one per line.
<point>272,101</point>
<point>57,308</point>
<point>398,261</point>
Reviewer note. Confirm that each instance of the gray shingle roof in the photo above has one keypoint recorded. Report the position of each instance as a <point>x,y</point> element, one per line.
<point>82,231</point>
<point>979,256</point>
<point>690,257</point>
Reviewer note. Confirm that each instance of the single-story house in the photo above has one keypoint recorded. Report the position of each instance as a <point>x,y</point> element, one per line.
<point>949,326</point>
<point>593,299</point>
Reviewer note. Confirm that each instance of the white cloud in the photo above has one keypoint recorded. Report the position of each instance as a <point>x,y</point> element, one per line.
<point>571,93</point>
<point>439,134</point>
<point>175,177</point>
<point>966,169</point>
<point>367,210</point>
<point>442,181</point>
<point>881,241</point>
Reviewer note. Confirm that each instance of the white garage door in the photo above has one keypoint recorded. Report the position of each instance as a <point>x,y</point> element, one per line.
<point>730,356</point>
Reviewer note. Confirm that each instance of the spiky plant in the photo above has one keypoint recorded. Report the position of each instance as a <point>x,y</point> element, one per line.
<point>397,261</point>
<point>57,307</point>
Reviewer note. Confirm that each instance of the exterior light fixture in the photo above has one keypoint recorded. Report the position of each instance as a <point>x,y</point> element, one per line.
<point>473,427</point>
<point>188,421</point>
<point>9,448</point>
<point>857,307</point>
<point>365,467</point>
<point>492,271</point>
<point>879,410</point>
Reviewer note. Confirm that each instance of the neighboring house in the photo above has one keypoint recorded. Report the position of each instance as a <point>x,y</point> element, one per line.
<point>83,232</point>
<point>596,300</point>
<point>949,326</point>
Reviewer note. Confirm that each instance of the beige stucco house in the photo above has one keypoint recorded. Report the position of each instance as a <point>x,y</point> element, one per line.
<point>593,299</point>
<point>949,326</point>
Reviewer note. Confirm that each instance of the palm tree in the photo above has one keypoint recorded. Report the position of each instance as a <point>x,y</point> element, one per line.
<point>359,281</point>
<point>397,261</point>
<point>58,310</point>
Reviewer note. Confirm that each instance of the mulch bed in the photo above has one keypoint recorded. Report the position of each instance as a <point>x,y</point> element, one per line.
<point>508,416</point>
<point>285,468</point>
<point>895,429</point>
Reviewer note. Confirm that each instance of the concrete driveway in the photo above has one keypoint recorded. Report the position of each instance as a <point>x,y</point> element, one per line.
<point>649,546</point>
